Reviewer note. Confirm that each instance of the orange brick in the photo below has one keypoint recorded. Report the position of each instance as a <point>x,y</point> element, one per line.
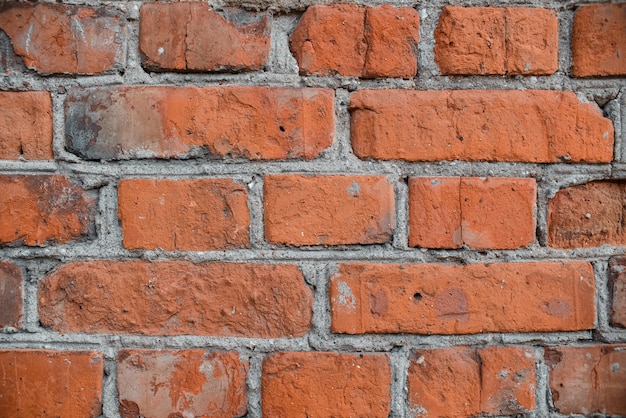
<point>328,210</point>
<point>26,125</point>
<point>188,214</point>
<point>470,299</point>
<point>473,125</point>
<point>11,310</point>
<point>174,298</point>
<point>326,385</point>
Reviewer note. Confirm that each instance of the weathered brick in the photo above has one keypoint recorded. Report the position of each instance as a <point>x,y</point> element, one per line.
<point>587,215</point>
<point>174,36</point>
<point>588,380</point>
<point>618,291</point>
<point>326,385</point>
<point>491,213</point>
<point>352,40</point>
<point>36,209</point>
<point>599,40</point>
<point>497,40</point>
<point>44,383</point>
<point>26,125</point>
<point>466,381</point>
<point>11,310</point>
<point>470,299</point>
<point>188,214</point>
<point>173,298</point>
<point>165,383</point>
<point>62,38</point>
<point>328,210</point>
<point>177,122</point>
<point>474,125</point>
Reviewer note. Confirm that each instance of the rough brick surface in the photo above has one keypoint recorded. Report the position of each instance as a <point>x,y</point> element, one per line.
<point>36,209</point>
<point>496,40</point>
<point>164,383</point>
<point>588,380</point>
<point>176,122</point>
<point>599,40</point>
<point>491,213</point>
<point>86,40</point>
<point>188,214</point>
<point>587,215</point>
<point>44,383</point>
<point>329,210</point>
<point>326,385</point>
<point>175,36</point>
<point>465,381</point>
<point>173,298</point>
<point>617,288</point>
<point>352,40</point>
<point>476,298</point>
<point>26,125</point>
<point>11,310</point>
<point>472,125</point>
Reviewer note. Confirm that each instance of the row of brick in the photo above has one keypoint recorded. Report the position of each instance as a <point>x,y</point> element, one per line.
<point>349,40</point>
<point>204,214</point>
<point>264,123</point>
<point>455,381</point>
<point>273,301</point>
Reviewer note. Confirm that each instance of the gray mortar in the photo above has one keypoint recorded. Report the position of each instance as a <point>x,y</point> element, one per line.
<point>317,263</point>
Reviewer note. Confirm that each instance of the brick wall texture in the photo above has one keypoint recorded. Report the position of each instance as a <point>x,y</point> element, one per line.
<point>300,208</point>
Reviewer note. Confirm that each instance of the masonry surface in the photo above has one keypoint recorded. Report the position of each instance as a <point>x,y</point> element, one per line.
<point>286,208</point>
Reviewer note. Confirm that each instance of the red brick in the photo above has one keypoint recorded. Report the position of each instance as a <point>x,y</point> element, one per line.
<point>352,40</point>
<point>599,40</point>
<point>326,385</point>
<point>36,209</point>
<point>178,122</point>
<point>55,38</point>
<point>496,40</point>
<point>490,213</point>
<point>11,310</point>
<point>588,380</point>
<point>466,381</point>
<point>174,36</point>
<point>587,215</point>
<point>43,383</point>
<point>328,210</point>
<point>469,299</point>
<point>188,214</point>
<point>618,291</point>
<point>174,298</point>
<point>168,383</point>
<point>26,125</point>
<point>474,125</point>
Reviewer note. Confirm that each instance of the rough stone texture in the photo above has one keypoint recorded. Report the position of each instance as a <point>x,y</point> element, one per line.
<point>11,310</point>
<point>188,214</point>
<point>328,210</point>
<point>26,125</point>
<point>587,215</point>
<point>448,212</point>
<point>45,383</point>
<point>174,122</point>
<point>588,380</point>
<point>474,125</point>
<point>599,40</point>
<point>475,298</point>
<point>37,209</point>
<point>352,40</point>
<point>617,288</point>
<point>195,383</point>
<point>467,381</point>
<point>497,40</point>
<point>326,385</point>
<point>191,36</point>
<point>86,40</point>
<point>175,298</point>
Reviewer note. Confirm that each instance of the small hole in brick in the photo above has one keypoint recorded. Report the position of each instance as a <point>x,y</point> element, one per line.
<point>417,296</point>
<point>282,128</point>
<point>80,307</point>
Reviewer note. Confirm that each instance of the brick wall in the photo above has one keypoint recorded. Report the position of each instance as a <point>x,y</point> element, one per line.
<point>286,209</point>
